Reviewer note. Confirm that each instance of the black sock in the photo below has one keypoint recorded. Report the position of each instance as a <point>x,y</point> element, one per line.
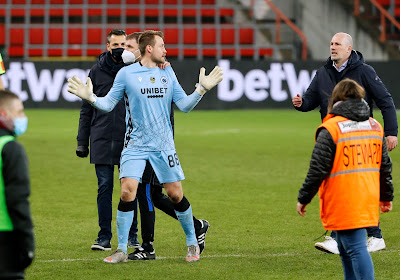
<point>183,205</point>
<point>126,206</point>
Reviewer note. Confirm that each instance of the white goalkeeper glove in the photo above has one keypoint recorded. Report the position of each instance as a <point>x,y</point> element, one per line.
<point>208,82</point>
<point>75,86</point>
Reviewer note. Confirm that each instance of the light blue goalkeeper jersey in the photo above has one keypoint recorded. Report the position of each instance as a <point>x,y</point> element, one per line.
<point>148,94</point>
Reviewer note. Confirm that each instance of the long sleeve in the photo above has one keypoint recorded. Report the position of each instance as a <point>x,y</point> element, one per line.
<point>386,190</point>
<point>377,90</point>
<point>188,102</point>
<point>310,97</point>
<point>320,166</point>
<point>85,119</point>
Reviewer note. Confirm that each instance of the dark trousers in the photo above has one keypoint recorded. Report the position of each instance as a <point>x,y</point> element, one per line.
<point>150,196</point>
<point>105,180</point>
<point>371,232</point>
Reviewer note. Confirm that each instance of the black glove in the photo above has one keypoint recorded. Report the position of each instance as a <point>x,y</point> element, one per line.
<point>82,151</point>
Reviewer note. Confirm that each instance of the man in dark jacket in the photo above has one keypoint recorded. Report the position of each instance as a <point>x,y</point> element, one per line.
<point>106,133</point>
<point>345,62</point>
<point>16,227</point>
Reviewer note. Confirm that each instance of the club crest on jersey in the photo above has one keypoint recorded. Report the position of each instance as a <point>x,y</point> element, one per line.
<point>164,80</point>
<point>140,79</point>
<point>152,80</point>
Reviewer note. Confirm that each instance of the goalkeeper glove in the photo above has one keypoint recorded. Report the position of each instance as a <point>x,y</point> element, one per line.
<point>211,80</point>
<point>75,86</point>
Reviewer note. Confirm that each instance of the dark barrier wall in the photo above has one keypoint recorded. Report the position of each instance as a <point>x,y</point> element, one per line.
<point>246,84</point>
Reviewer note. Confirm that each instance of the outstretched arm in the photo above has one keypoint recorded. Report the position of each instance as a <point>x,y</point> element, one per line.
<point>106,103</point>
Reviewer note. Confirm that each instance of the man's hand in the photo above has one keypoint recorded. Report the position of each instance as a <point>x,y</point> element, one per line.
<point>165,65</point>
<point>391,142</point>
<point>208,82</point>
<point>82,151</point>
<point>75,86</point>
<point>385,206</point>
<point>301,208</point>
<point>297,100</point>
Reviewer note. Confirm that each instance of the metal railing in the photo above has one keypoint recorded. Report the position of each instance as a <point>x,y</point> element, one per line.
<point>281,16</point>
<point>384,15</point>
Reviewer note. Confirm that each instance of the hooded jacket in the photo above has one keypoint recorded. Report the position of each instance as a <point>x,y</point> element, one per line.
<point>106,131</point>
<point>324,153</point>
<point>327,77</point>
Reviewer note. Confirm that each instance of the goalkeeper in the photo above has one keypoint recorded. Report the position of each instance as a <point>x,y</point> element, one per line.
<point>149,92</point>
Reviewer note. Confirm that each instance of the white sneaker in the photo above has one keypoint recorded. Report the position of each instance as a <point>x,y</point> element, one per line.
<point>328,246</point>
<point>193,253</point>
<point>117,257</point>
<point>375,244</point>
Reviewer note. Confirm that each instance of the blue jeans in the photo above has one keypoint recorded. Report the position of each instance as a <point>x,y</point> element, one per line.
<point>105,180</point>
<point>356,261</point>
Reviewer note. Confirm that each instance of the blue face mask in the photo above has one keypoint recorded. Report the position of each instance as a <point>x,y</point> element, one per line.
<point>20,125</point>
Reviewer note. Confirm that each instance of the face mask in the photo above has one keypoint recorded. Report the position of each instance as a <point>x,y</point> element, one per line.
<point>129,57</point>
<point>20,125</point>
<point>117,54</point>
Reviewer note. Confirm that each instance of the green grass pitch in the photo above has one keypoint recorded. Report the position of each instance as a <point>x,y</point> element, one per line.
<point>243,169</point>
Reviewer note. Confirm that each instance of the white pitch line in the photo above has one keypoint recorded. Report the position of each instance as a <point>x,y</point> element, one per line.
<point>212,256</point>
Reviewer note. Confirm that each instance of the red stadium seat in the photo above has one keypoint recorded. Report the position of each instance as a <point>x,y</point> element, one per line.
<point>16,51</point>
<point>17,36</point>
<point>171,36</point>
<point>36,36</point>
<point>246,36</point>
<point>95,36</point>
<point>190,36</point>
<point>94,52</point>
<point>55,36</point>
<point>190,52</point>
<point>37,12</point>
<point>266,52</point>
<point>54,52</point>
<point>74,52</point>
<point>172,52</point>
<point>94,12</point>
<point>2,34</point>
<point>228,52</point>
<point>209,36</point>
<point>227,36</point>
<point>35,52</point>
<point>17,12</point>
<point>74,36</point>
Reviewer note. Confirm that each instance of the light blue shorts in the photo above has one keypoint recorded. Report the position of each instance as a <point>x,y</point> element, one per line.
<point>166,165</point>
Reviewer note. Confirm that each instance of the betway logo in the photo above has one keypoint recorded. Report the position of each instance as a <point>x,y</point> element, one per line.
<point>44,86</point>
<point>257,85</point>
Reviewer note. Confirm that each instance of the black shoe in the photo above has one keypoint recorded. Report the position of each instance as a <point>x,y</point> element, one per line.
<point>141,255</point>
<point>201,234</point>
<point>102,245</point>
